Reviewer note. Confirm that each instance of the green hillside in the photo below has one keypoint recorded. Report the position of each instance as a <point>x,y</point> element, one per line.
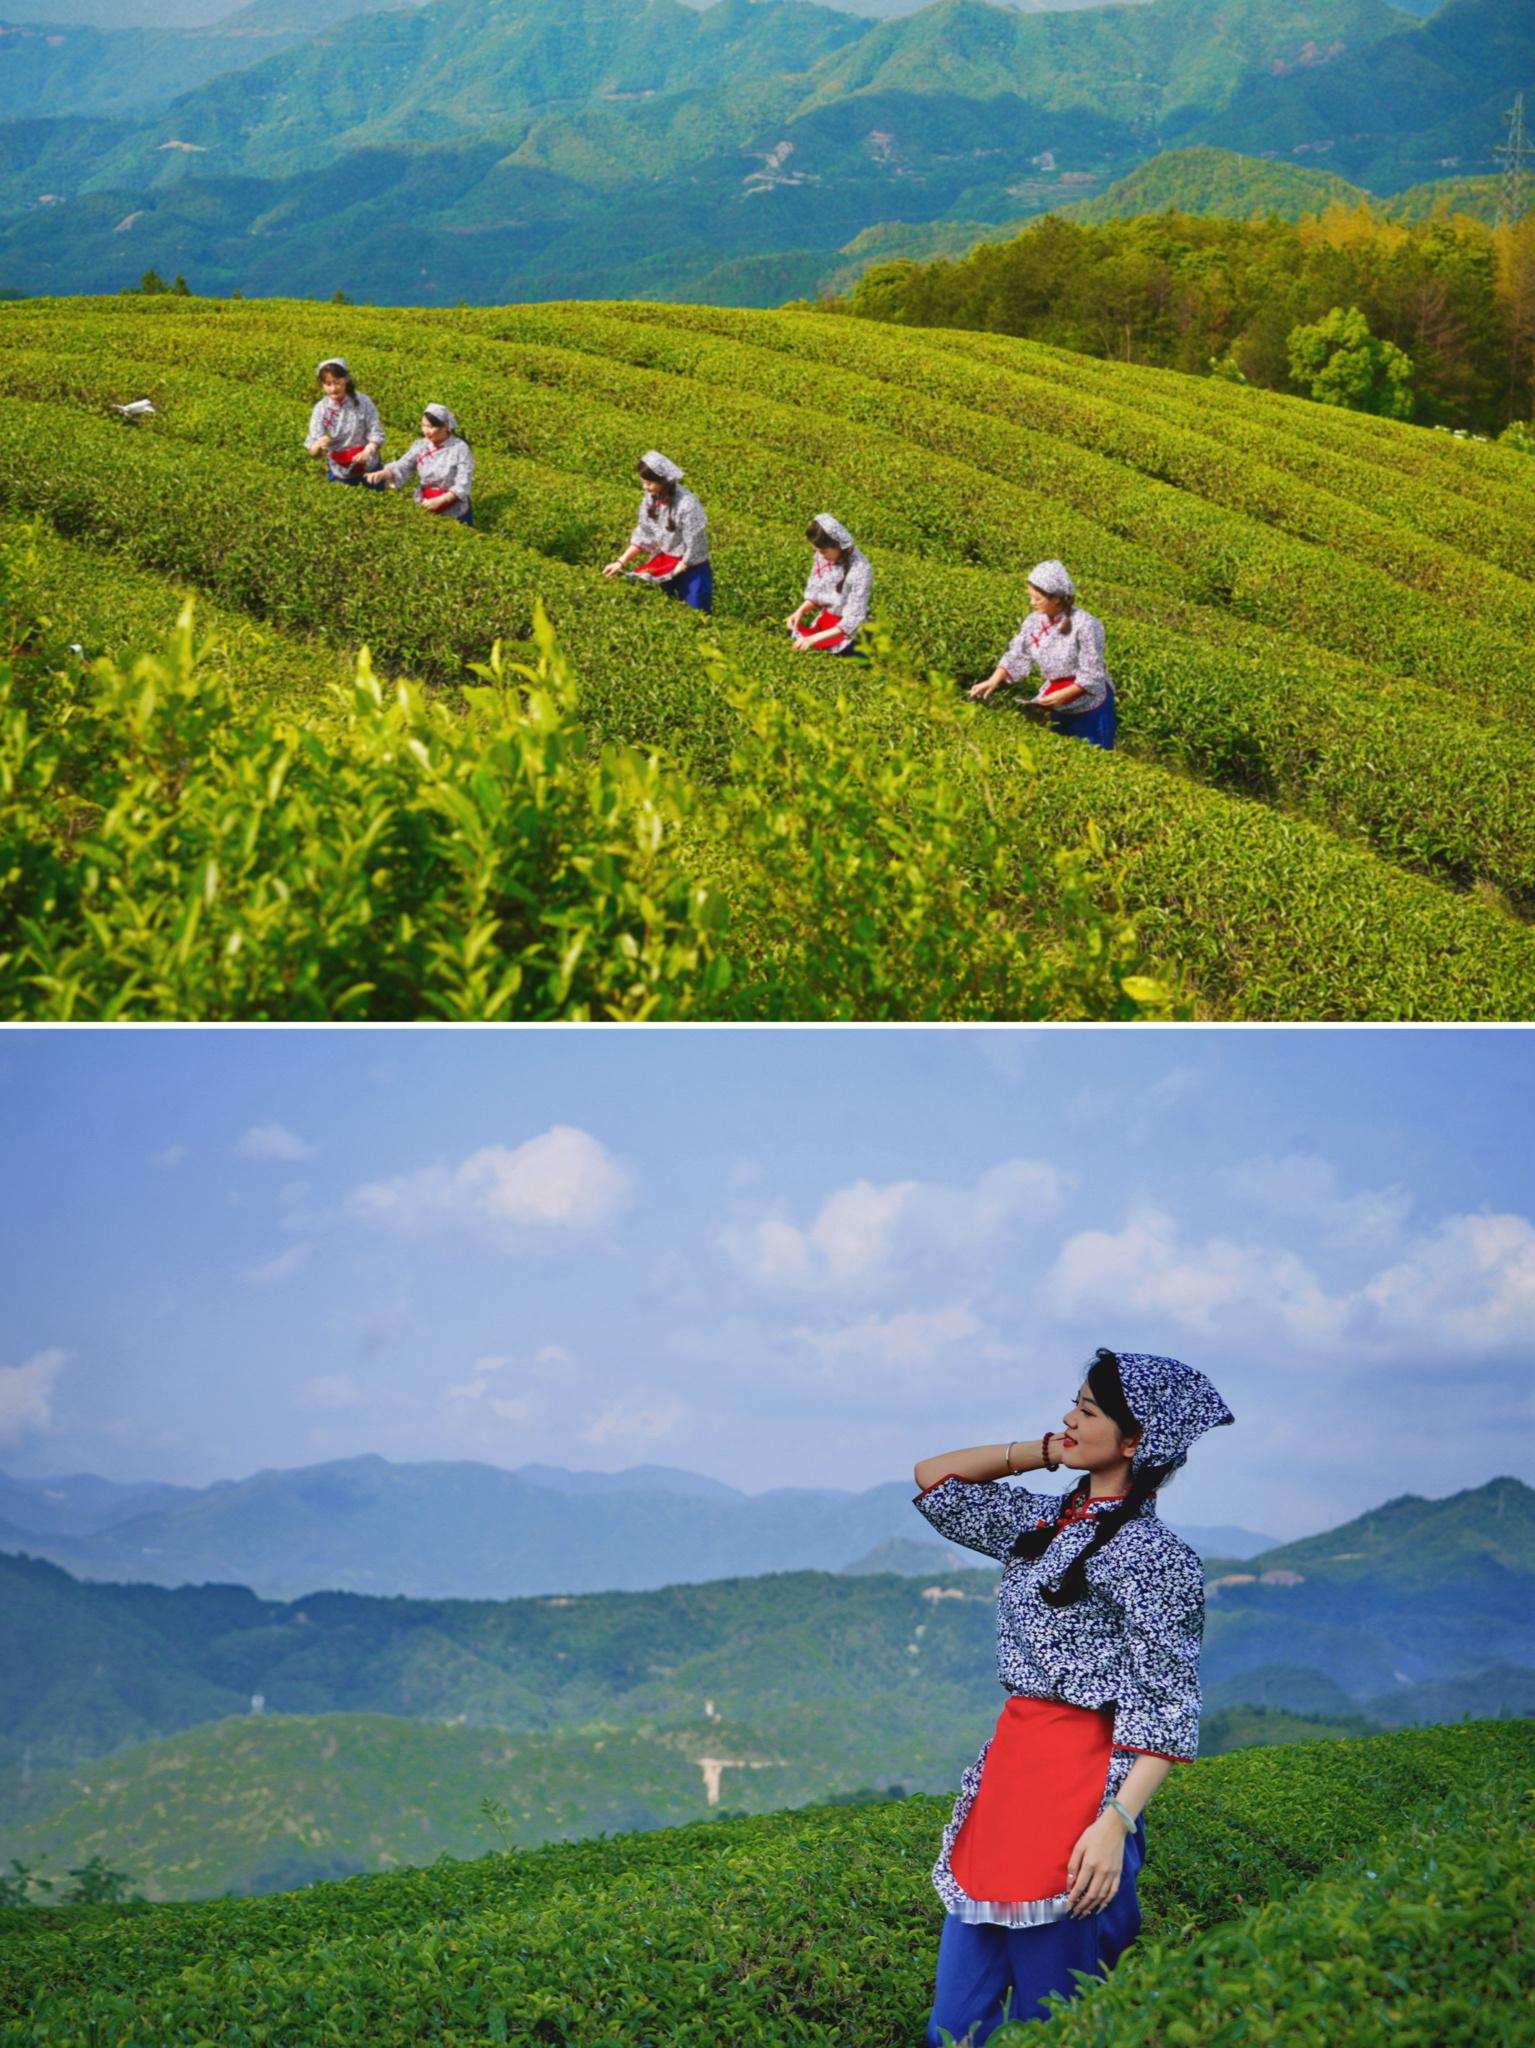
<point>1320,627</point>
<point>1389,1870</point>
<point>1214,181</point>
<point>260,1803</point>
<point>1414,1543</point>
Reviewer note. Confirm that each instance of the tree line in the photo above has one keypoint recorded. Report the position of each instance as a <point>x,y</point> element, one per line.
<point>1434,320</point>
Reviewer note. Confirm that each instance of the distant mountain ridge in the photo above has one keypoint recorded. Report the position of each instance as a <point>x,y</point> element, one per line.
<point>466,1530</point>
<point>485,150</point>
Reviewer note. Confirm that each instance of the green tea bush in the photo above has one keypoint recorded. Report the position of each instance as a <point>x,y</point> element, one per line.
<point>819,1926</point>
<point>160,858</point>
<point>1418,1941</point>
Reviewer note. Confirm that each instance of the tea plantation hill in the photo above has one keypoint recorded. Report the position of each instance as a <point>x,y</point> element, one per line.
<point>478,150</point>
<point>1320,625</point>
<point>1372,1891</point>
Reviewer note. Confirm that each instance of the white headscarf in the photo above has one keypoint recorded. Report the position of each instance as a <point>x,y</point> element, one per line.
<point>834,530</point>
<point>332,363</point>
<point>442,416</point>
<point>659,465</point>
<point>1051,578</point>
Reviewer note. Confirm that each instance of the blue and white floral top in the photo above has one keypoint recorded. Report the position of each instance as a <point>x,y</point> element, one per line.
<point>1133,1641</point>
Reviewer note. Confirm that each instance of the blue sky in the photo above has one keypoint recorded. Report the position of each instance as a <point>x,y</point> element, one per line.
<point>779,1257</point>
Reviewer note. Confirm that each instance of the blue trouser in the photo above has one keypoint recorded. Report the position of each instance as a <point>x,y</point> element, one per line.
<point>980,1966</point>
<point>1096,727</point>
<point>694,586</point>
<point>342,476</point>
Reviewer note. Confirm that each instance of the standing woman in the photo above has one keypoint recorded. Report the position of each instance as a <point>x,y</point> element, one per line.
<point>344,426</point>
<point>1100,1617</point>
<point>442,463</point>
<point>673,530</point>
<point>838,592</point>
<point>1066,646</point>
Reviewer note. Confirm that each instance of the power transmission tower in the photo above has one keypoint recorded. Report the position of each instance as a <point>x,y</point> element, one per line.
<point>1516,155</point>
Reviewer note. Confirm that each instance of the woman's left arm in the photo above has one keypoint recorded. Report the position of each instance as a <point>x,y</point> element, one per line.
<point>1097,1861</point>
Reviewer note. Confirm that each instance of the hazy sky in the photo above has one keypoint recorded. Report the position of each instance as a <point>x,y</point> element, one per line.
<point>779,1257</point>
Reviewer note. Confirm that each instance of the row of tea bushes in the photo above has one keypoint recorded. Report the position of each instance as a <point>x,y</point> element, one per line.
<point>818,1927</point>
<point>1096,453</point>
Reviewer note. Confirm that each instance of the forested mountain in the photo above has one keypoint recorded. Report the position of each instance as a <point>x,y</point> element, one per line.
<point>181,1730</point>
<point>1419,1592</point>
<point>493,149</point>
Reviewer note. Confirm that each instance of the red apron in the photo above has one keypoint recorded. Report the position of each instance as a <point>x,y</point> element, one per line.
<point>1054,689</point>
<point>819,624</point>
<point>1041,1785</point>
<point>347,454</point>
<point>435,491</point>
<point>659,566</point>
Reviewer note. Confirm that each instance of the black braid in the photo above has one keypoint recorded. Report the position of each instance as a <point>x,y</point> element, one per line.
<point>1107,1389</point>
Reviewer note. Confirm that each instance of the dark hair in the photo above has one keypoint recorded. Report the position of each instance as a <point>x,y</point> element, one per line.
<point>818,537</point>
<point>351,381</point>
<point>1108,1391</point>
<point>668,491</point>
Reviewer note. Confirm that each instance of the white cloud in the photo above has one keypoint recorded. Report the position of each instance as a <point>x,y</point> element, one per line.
<point>26,1393</point>
<point>1471,1284</point>
<point>550,1369</point>
<point>907,1342</point>
<point>1146,1269</point>
<point>283,1267</point>
<point>1304,1187</point>
<point>863,1233</point>
<point>479,1377</point>
<point>330,1390</point>
<point>564,1180</point>
<point>1468,1286</point>
<point>271,1141</point>
<point>173,1155</point>
<point>631,1424</point>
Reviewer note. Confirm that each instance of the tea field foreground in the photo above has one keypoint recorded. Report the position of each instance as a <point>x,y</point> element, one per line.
<point>1320,626</point>
<point>1381,1884</point>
